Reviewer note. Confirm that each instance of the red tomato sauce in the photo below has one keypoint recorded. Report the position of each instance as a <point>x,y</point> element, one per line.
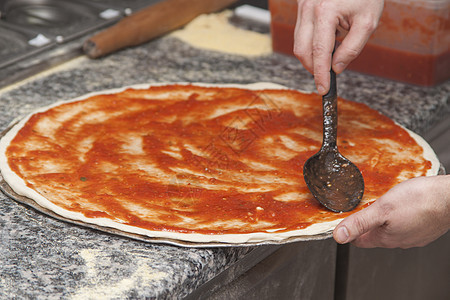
<point>221,182</point>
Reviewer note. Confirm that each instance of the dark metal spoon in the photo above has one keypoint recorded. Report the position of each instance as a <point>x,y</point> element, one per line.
<point>332,179</point>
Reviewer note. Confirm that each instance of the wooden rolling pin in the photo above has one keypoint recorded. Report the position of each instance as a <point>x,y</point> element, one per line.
<point>149,23</point>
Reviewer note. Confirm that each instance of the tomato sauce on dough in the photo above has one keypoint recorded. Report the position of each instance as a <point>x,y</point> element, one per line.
<point>210,160</point>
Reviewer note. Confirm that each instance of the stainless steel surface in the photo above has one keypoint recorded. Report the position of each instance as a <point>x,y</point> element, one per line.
<point>29,27</point>
<point>294,271</point>
<point>439,139</point>
<point>400,274</point>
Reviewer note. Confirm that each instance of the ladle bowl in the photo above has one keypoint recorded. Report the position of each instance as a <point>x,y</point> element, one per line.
<point>333,180</point>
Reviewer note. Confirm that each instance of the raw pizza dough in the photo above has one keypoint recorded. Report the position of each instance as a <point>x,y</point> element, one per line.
<point>214,32</point>
<point>200,163</point>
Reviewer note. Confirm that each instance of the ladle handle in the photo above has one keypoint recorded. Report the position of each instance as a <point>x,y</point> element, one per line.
<point>329,103</point>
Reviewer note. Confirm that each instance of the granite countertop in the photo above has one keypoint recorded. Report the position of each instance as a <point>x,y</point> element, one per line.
<point>41,256</point>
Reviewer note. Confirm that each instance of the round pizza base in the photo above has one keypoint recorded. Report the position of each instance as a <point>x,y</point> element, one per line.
<point>15,187</point>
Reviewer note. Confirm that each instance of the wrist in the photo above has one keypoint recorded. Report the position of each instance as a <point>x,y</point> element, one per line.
<point>443,185</point>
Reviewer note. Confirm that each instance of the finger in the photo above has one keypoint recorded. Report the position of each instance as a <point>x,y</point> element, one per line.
<point>359,223</point>
<point>323,44</point>
<point>353,43</point>
<point>303,34</point>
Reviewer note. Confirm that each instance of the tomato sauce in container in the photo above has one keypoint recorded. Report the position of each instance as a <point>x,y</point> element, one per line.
<point>283,16</point>
<point>411,43</point>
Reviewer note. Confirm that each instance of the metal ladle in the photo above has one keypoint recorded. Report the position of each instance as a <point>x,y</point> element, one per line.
<point>333,179</point>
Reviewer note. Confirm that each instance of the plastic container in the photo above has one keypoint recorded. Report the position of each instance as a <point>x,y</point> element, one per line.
<point>411,43</point>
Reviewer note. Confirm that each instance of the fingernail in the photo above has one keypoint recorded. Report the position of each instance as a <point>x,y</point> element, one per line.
<point>339,67</point>
<point>321,89</point>
<point>342,235</point>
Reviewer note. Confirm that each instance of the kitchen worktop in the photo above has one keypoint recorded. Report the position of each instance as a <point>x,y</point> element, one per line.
<point>41,256</point>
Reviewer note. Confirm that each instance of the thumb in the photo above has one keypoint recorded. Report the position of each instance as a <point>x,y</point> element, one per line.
<point>358,223</point>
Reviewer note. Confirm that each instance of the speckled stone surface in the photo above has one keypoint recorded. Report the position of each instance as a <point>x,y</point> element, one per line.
<point>44,258</point>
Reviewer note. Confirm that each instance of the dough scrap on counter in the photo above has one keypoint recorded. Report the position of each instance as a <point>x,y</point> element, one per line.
<point>214,32</point>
